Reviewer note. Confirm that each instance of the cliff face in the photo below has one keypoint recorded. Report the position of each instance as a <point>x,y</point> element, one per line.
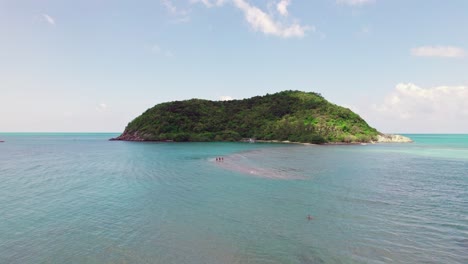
<point>290,115</point>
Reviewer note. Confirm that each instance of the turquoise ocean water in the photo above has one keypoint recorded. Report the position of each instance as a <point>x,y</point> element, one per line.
<point>78,198</point>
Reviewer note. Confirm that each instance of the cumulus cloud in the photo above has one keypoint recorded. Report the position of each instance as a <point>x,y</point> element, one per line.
<point>225,98</point>
<point>354,2</point>
<point>263,22</point>
<point>413,108</point>
<point>282,7</point>
<point>439,51</point>
<point>50,20</point>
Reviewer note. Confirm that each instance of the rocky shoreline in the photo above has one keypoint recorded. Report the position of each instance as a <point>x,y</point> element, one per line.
<point>382,138</point>
<point>389,138</point>
<point>128,137</point>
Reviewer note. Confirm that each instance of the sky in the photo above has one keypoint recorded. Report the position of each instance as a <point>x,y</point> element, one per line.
<point>94,65</point>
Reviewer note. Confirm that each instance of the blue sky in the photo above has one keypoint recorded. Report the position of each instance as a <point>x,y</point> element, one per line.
<point>94,65</point>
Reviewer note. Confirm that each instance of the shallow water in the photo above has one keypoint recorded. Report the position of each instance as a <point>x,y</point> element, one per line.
<point>78,198</point>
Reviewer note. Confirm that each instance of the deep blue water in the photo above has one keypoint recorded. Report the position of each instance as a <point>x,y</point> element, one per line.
<point>78,198</point>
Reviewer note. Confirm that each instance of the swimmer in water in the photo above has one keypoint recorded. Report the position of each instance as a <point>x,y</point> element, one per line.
<point>309,217</point>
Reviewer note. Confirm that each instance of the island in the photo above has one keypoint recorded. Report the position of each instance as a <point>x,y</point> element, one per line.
<point>288,116</point>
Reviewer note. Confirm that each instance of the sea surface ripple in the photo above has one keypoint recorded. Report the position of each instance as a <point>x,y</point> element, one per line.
<point>78,198</point>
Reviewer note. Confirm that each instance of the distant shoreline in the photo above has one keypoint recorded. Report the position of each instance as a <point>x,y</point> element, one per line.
<point>384,138</point>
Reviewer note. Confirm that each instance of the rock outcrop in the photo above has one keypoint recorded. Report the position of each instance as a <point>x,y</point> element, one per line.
<point>388,138</point>
<point>129,137</point>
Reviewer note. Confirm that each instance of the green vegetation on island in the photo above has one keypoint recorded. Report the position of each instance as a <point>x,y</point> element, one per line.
<point>289,115</point>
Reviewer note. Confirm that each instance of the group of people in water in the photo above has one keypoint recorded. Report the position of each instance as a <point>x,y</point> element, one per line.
<point>219,158</point>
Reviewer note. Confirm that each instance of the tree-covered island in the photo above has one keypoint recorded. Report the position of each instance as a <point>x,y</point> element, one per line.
<point>293,116</point>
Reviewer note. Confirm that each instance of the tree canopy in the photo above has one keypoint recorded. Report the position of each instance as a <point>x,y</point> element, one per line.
<point>289,115</point>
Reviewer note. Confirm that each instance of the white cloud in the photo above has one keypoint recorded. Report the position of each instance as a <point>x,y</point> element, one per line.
<point>209,3</point>
<point>225,98</point>
<point>49,19</point>
<point>365,30</point>
<point>439,51</point>
<point>157,50</point>
<point>171,7</point>
<point>263,22</point>
<point>410,108</point>
<point>354,2</point>
<point>282,7</point>
<point>352,108</point>
<point>101,107</point>
<point>182,15</point>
